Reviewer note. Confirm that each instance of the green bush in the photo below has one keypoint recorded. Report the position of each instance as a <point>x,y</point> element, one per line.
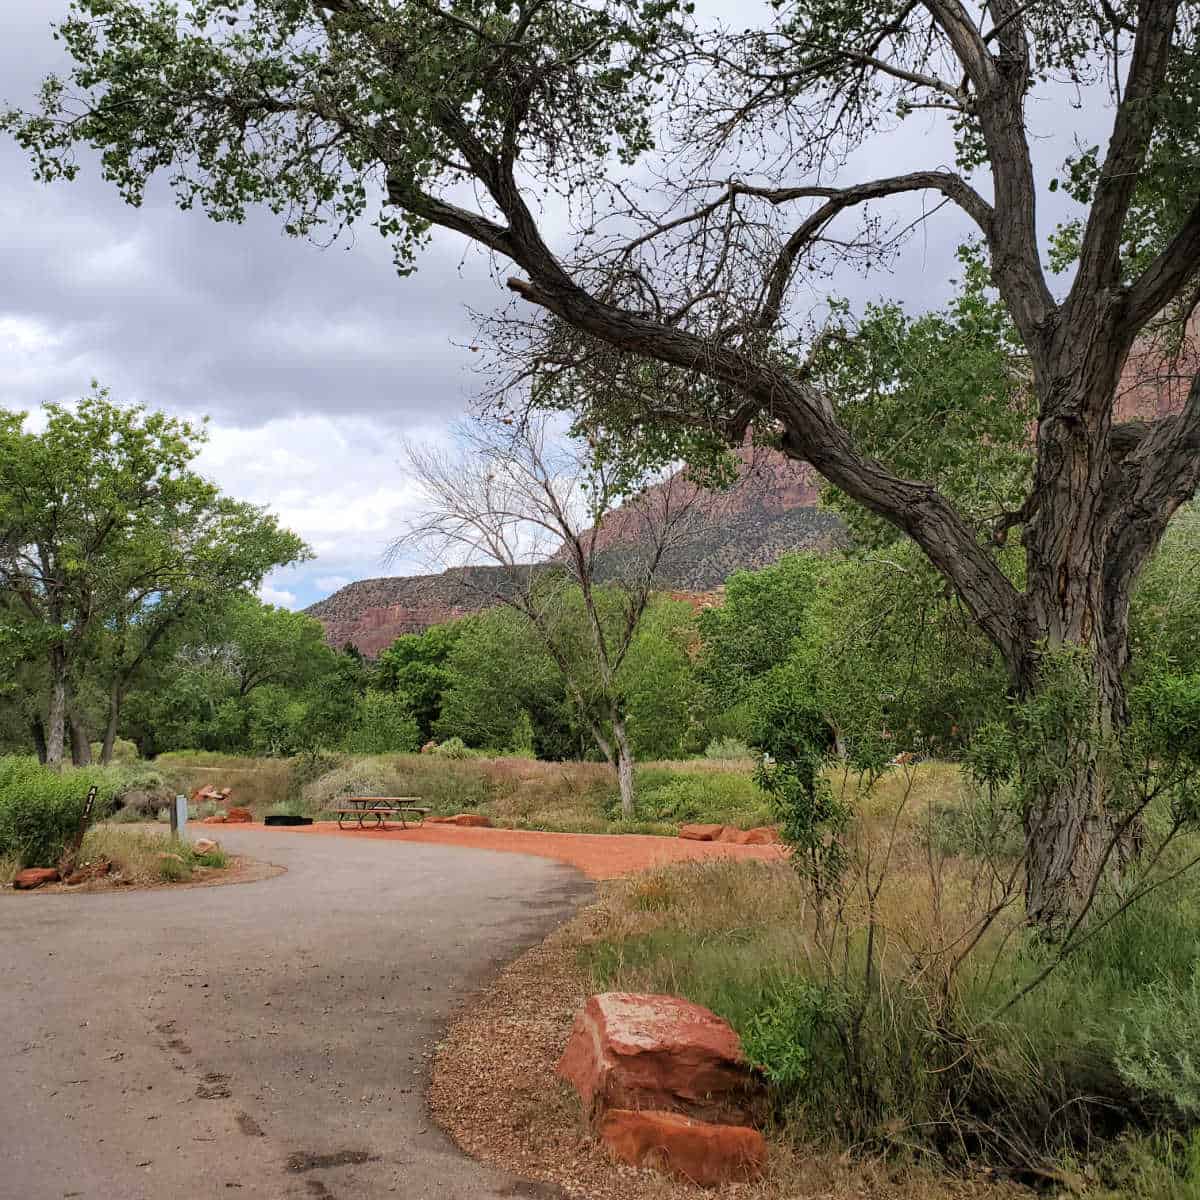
<point>124,751</point>
<point>708,797</point>
<point>1157,1048</point>
<point>782,1036</point>
<point>727,748</point>
<point>453,747</point>
<point>40,810</point>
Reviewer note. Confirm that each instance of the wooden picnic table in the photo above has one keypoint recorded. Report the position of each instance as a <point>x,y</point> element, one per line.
<point>381,807</point>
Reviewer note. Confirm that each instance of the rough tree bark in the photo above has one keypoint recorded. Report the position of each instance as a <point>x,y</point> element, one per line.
<point>37,730</point>
<point>115,699</point>
<point>624,765</point>
<point>81,747</point>
<point>57,715</point>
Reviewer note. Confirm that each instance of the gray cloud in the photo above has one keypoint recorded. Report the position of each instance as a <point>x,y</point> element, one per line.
<point>311,362</point>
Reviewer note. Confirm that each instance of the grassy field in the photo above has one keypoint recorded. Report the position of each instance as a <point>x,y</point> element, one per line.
<point>520,793</point>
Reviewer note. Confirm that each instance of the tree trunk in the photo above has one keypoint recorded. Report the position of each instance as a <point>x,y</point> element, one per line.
<point>37,728</point>
<point>110,727</point>
<point>1071,833</point>
<point>57,716</point>
<point>1069,830</point>
<point>81,749</point>
<point>624,767</point>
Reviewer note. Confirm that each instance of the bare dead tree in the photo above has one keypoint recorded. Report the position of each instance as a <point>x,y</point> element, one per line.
<point>578,557</point>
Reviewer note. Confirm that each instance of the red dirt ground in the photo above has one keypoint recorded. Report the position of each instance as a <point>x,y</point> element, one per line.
<point>597,855</point>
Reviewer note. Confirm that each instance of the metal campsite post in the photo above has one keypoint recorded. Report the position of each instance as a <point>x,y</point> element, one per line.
<point>179,816</point>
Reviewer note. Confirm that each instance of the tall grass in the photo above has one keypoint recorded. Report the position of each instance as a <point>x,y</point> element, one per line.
<point>257,783</point>
<point>886,1019</point>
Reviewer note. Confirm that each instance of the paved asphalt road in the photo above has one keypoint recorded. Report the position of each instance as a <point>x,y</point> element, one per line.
<point>256,1041</point>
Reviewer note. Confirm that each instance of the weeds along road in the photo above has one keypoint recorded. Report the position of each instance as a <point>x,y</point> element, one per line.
<point>257,1040</point>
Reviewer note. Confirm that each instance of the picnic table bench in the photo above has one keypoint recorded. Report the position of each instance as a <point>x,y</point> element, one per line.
<point>381,807</point>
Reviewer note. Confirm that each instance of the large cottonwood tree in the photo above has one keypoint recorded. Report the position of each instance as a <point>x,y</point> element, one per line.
<point>466,112</point>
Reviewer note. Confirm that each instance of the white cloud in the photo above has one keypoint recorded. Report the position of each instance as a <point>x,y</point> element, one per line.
<point>278,596</point>
<point>331,583</point>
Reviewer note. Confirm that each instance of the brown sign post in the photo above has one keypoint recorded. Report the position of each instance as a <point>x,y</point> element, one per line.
<point>66,864</point>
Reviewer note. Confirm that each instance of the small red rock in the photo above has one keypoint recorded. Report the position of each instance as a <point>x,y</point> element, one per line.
<point>90,871</point>
<point>34,877</point>
<point>629,1050</point>
<point>764,835</point>
<point>701,833</point>
<point>238,816</point>
<point>217,819</point>
<point>472,820</point>
<point>205,845</point>
<point>702,1153</point>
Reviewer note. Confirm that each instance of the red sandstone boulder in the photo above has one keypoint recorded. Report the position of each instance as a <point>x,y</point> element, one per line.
<point>205,845</point>
<point>629,1050</point>
<point>216,819</point>
<point>701,833</point>
<point>704,1154</point>
<point>238,816</point>
<point>34,877</point>
<point>764,835</point>
<point>473,820</point>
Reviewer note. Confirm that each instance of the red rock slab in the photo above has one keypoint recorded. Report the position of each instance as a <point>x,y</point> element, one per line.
<point>238,816</point>
<point>701,833</point>
<point>703,1153</point>
<point>633,1050</point>
<point>463,821</point>
<point>34,877</point>
<point>764,835</point>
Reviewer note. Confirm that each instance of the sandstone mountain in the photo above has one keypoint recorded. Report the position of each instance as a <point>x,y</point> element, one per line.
<point>771,510</point>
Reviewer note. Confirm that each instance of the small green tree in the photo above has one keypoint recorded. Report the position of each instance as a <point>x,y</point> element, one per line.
<point>415,665</point>
<point>383,725</point>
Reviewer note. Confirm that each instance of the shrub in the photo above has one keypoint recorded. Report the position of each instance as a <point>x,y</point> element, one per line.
<point>719,798</point>
<point>384,725</point>
<point>453,747</point>
<point>727,748</point>
<point>124,751</point>
<point>40,810</point>
<point>781,1037</point>
<point>358,777</point>
<point>1157,1050</point>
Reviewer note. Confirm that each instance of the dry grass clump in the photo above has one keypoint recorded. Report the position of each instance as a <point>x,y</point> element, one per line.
<point>142,857</point>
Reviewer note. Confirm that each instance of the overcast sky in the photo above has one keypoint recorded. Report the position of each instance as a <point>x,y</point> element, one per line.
<point>312,363</point>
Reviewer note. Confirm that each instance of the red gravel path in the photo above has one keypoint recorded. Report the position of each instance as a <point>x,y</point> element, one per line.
<point>597,855</point>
